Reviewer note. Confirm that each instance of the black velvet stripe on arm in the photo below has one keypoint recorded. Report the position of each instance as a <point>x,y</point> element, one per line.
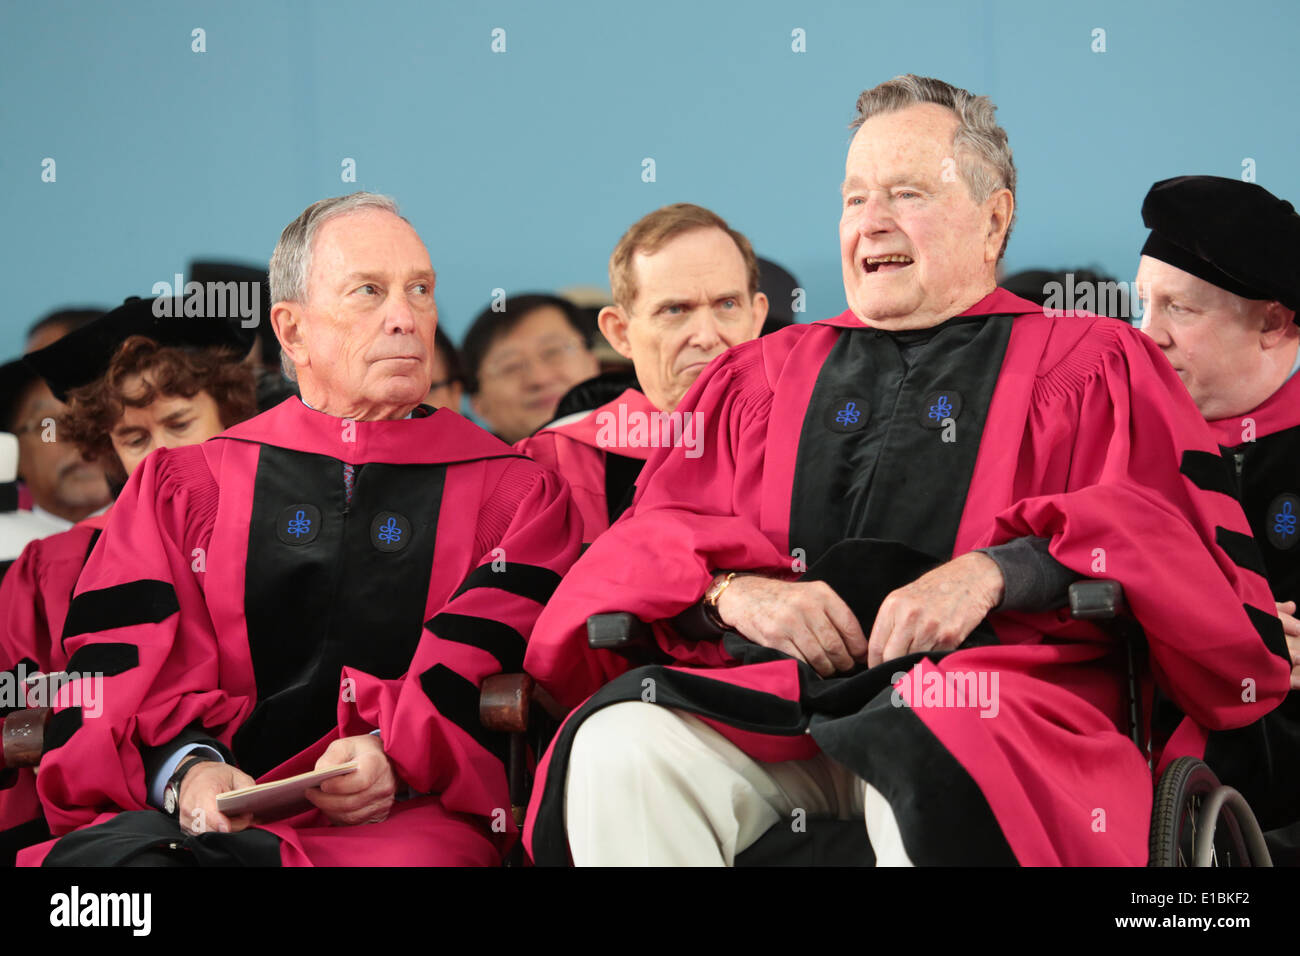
<point>1270,631</point>
<point>500,640</point>
<point>94,540</point>
<point>621,474</point>
<point>28,667</point>
<point>1241,548</point>
<point>1209,472</point>
<point>526,580</point>
<point>123,605</point>
<point>457,699</point>
<point>61,727</point>
<point>107,659</point>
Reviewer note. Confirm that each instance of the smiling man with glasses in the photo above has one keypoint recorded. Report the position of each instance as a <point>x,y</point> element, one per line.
<point>522,359</point>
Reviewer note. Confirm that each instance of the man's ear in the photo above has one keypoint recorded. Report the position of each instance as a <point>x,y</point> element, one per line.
<point>1279,321</point>
<point>286,320</point>
<point>613,325</point>
<point>1001,207</point>
<point>760,313</point>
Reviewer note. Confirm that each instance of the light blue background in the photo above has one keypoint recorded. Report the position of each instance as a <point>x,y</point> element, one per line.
<point>522,169</point>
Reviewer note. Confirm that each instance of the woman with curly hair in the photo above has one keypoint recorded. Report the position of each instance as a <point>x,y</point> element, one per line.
<point>133,382</point>
<point>157,396</point>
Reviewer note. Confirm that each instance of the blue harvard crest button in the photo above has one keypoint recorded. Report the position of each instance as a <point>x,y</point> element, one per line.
<point>1280,523</point>
<point>847,415</point>
<point>298,524</point>
<point>390,531</point>
<point>939,406</point>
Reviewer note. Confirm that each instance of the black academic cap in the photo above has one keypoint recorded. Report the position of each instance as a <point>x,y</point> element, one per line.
<point>1232,234</point>
<point>204,271</point>
<point>15,378</point>
<point>83,356</point>
<point>778,284</point>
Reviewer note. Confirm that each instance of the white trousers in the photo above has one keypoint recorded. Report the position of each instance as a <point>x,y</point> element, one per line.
<point>651,786</point>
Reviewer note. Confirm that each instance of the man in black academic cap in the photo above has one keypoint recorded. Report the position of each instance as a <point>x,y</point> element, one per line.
<point>18,526</point>
<point>64,488</point>
<point>53,326</point>
<point>1220,285</point>
<point>68,488</point>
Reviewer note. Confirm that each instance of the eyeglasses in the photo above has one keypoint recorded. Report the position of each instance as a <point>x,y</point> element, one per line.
<point>552,357</point>
<point>445,383</point>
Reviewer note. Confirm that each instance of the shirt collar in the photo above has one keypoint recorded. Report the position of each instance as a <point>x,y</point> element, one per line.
<point>409,414</point>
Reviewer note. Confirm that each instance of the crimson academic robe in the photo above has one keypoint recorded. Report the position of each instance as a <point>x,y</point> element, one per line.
<point>35,595</point>
<point>599,454</point>
<point>1079,442</point>
<point>34,599</point>
<point>241,592</point>
<point>1263,447</point>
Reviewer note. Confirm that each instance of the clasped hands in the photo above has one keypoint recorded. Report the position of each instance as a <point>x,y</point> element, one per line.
<point>810,622</point>
<point>937,611</point>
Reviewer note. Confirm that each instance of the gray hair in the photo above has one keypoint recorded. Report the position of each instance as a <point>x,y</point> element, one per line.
<point>291,261</point>
<point>984,156</point>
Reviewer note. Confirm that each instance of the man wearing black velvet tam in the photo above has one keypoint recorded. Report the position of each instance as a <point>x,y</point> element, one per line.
<point>1220,283</point>
<point>61,487</point>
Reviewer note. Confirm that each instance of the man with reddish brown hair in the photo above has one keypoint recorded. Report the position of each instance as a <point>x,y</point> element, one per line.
<point>685,288</point>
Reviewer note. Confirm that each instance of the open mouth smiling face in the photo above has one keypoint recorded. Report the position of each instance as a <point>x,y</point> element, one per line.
<point>891,263</point>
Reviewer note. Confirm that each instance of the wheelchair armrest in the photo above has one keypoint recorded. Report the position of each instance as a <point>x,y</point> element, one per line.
<point>1097,600</point>
<point>23,737</point>
<point>618,631</point>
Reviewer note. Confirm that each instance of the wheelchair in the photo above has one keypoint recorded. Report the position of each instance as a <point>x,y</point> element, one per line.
<point>1196,821</point>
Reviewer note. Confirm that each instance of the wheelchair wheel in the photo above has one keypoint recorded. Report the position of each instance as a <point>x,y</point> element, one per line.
<point>1193,812</point>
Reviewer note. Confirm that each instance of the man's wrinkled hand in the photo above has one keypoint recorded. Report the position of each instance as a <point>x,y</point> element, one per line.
<point>363,796</point>
<point>938,610</point>
<point>806,620</point>
<point>199,789</point>
<point>1291,626</point>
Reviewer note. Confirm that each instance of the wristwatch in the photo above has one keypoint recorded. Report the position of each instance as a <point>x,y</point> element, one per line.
<point>172,792</point>
<point>711,596</point>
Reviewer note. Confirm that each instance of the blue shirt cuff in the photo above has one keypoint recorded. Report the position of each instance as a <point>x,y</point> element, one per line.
<point>159,783</point>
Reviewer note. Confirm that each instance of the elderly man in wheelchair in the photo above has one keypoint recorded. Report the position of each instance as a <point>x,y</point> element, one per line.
<point>864,483</point>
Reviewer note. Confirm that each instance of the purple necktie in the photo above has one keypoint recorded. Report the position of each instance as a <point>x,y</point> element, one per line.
<point>349,480</point>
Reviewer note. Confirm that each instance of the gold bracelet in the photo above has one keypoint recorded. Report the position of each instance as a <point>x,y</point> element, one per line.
<point>711,597</point>
<point>716,589</point>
